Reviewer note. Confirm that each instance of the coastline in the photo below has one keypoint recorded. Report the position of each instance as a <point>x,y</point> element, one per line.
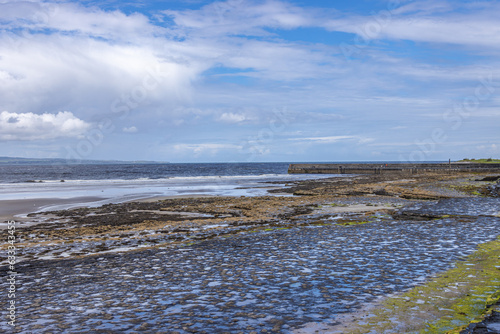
<point>20,199</point>
<point>187,223</point>
<point>18,209</point>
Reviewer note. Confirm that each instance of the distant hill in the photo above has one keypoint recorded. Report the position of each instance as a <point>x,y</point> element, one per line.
<point>35,161</point>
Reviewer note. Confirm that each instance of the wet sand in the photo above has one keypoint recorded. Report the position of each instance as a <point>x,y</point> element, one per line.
<point>19,209</point>
<point>12,209</point>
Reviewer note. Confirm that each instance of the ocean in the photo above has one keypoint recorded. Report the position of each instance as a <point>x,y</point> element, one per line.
<point>115,183</point>
<point>17,173</point>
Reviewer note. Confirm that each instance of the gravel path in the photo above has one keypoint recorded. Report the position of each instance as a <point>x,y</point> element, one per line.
<point>263,282</point>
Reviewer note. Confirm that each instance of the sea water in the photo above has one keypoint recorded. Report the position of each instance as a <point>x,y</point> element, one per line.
<point>114,183</point>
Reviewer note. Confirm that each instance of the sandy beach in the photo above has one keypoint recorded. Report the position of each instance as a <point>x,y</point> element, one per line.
<point>20,208</point>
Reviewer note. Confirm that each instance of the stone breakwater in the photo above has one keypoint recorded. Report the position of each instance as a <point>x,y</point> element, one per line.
<point>383,168</point>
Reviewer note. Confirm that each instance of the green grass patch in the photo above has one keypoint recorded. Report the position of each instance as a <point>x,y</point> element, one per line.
<point>446,304</point>
<point>353,223</point>
<point>482,161</point>
<point>469,188</point>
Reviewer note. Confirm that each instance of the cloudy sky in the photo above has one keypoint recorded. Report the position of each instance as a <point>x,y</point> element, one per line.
<point>250,80</point>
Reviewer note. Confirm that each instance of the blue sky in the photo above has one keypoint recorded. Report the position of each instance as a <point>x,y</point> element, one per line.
<point>243,80</point>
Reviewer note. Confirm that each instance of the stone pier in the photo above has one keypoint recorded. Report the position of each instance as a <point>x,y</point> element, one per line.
<point>382,168</point>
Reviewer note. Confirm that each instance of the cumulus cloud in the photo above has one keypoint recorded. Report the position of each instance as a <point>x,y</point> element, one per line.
<point>30,126</point>
<point>230,117</point>
<point>131,129</point>
<point>86,58</point>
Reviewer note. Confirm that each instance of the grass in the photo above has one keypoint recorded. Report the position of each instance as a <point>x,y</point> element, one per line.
<point>482,161</point>
<point>447,304</point>
<point>353,223</point>
<point>471,188</point>
<point>338,205</point>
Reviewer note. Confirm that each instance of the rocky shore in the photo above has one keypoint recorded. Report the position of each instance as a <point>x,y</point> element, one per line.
<point>269,264</point>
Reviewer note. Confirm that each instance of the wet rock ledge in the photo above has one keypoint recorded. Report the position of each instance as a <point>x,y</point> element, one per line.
<point>268,264</point>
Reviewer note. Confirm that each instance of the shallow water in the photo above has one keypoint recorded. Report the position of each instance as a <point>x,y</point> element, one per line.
<point>120,190</point>
<point>459,206</point>
<point>277,280</point>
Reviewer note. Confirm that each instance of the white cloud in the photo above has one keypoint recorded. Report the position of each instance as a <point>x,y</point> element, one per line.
<point>131,129</point>
<point>359,140</point>
<point>210,148</point>
<point>243,17</point>
<point>89,59</point>
<point>30,126</point>
<point>460,30</point>
<point>325,140</point>
<point>425,21</point>
<point>423,7</point>
<point>232,62</point>
<point>179,122</point>
<point>230,117</point>
<point>76,19</point>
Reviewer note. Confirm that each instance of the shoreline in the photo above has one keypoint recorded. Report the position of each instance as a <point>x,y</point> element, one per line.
<point>61,199</point>
<point>182,224</point>
<point>297,199</point>
<point>18,209</point>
